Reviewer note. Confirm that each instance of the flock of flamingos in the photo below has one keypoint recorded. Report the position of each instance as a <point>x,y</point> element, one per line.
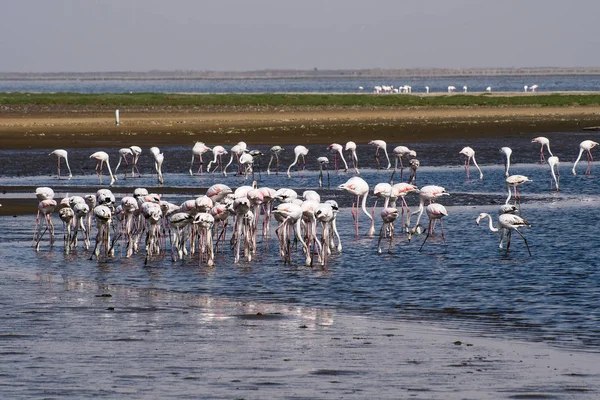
<point>200,225</point>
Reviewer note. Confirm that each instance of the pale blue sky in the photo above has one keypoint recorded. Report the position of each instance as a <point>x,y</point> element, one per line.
<point>237,35</point>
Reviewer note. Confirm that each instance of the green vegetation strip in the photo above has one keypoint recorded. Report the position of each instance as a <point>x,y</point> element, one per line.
<point>305,100</point>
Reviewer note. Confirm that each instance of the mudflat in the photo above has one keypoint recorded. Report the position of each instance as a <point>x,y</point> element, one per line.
<point>45,126</point>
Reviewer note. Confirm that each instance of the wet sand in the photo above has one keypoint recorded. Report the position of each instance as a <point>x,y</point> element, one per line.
<point>68,127</point>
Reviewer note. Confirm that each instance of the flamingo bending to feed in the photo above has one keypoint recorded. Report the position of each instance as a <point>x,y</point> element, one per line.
<point>508,223</point>
<point>381,145</point>
<point>60,153</point>
<point>586,146</point>
<point>275,150</point>
<point>399,152</point>
<point>218,153</point>
<point>198,149</point>
<point>554,162</point>
<point>515,181</point>
<point>435,211</point>
<point>299,151</point>
<point>544,141</point>
<point>323,163</point>
<point>470,154</point>
<point>101,157</point>
<point>507,151</point>
<point>337,149</point>
<point>351,149</point>
<point>388,216</point>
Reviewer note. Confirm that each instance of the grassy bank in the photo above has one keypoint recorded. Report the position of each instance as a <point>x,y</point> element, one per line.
<point>305,100</point>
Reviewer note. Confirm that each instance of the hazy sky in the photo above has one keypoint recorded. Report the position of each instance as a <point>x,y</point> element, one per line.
<point>237,35</point>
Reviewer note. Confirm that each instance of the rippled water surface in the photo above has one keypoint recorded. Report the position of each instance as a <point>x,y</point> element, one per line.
<point>553,296</point>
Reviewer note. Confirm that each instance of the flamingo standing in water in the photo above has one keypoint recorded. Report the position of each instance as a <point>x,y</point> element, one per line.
<point>544,141</point>
<point>507,151</point>
<point>427,193</point>
<point>586,146</point>
<point>123,153</point>
<point>60,153</point>
<point>358,187</point>
<point>218,152</point>
<point>136,150</point>
<point>323,163</point>
<point>515,181</point>
<point>470,154</point>
<point>399,152</point>
<point>101,157</point>
<point>351,149</point>
<point>414,165</point>
<point>435,211</point>
<point>381,145</point>
<point>275,150</point>
<point>554,162</point>
<point>388,216</point>
<point>508,223</point>
<point>198,149</point>
<point>299,151</point>
<point>337,149</point>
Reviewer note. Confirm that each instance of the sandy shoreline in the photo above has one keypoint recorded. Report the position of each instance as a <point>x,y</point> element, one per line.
<point>68,127</point>
<point>258,350</point>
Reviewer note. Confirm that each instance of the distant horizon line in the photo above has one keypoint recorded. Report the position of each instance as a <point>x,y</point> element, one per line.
<point>301,73</point>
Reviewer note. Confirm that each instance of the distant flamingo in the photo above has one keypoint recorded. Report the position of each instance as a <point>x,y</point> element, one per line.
<point>380,145</point>
<point>470,154</point>
<point>554,162</point>
<point>515,181</point>
<point>60,153</point>
<point>508,222</point>
<point>275,150</point>
<point>351,149</point>
<point>198,149</point>
<point>337,149</point>
<point>323,163</point>
<point>388,216</point>
<point>399,152</point>
<point>299,151</point>
<point>544,141</point>
<point>435,211</point>
<point>101,157</point>
<point>586,145</point>
<point>358,187</point>
<point>507,151</point>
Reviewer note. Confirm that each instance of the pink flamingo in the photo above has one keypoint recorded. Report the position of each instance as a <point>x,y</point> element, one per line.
<point>275,150</point>
<point>380,145</point>
<point>358,187</point>
<point>337,149</point>
<point>101,157</point>
<point>399,152</point>
<point>470,154</point>
<point>554,162</point>
<point>544,141</point>
<point>435,211</point>
<point>388,216</point>
<point>198,149</point>
<point>60,153</point>
<point>218,152</point>
<point>351,149</point>
<point>299,151</point>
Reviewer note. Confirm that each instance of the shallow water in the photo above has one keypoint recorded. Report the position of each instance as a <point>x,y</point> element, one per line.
<point>552,296</point>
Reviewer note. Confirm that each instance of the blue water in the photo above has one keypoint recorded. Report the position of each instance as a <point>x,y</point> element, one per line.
<point>553,295</point>
<point>546,83</point>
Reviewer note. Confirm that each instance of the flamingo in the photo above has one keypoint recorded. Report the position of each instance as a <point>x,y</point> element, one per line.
<point>60,153</point>
<point>488,89</point>
<point>136,150</point>
<point>218,152</point>
<point>299,151</point>
<point>101,157</point>
<point>465,89</point>
<point>399,152</point>
<point>380,144</point>
<point>158,162</point>
<point>544,141</point>
<point>507,151</point>
<point>435,211</point>
<point>358,187</point>
<point>388,216</point>
<point>451,89</point>
<point>236,151</point>
<point>46,208</point>
<point>554,162</point>
<point>414,165</point>
<point>400,190</point>
<point>351,149</point>
<point>506,222</point>
<point>515,181</point>
<point>123,153</point>
<point>533,87</point>
<point>290,215</point>
<point>470,154</point>
<point>336,149</point>
<point>586,145</point>
<point>323,163</point>
<point>198,149</point>
<point>427,193</point>
<point>275,150</point>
